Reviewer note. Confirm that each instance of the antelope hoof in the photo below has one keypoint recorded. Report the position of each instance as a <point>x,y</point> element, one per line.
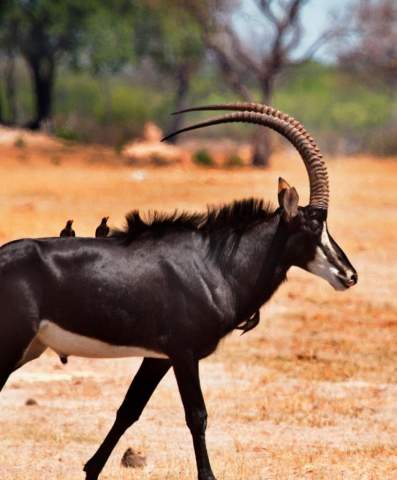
<point>91,473</point>
<point>208,476</point>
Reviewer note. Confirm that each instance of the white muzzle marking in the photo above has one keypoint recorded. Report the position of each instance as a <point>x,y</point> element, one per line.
<point>325,261</point>
<point>321,267</point>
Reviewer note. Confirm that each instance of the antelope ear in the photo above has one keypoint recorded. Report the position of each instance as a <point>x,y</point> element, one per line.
<point>288,199</point>
<point>282,185</point>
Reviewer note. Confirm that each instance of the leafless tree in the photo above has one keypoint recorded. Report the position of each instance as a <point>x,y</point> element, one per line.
<point>262,59</point>
<point>369,46</point>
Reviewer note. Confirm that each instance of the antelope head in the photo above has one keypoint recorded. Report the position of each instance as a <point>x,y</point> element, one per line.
<point>310,245</point>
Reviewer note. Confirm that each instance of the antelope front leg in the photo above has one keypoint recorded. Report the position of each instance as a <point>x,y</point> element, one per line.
<point>145,382</point>
<point>187,375</point>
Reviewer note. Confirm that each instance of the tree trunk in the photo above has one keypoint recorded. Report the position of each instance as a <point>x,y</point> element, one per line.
<point>43,75</point>
<point>183,84</point>
<point>10,87</point>
<point>262,147</point>
<point>1,105</point>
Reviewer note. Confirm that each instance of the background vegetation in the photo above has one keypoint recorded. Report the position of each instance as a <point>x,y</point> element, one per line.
<point>126,65</point>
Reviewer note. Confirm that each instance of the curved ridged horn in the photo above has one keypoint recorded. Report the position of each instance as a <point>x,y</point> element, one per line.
<point>312,158</point>
<point>254,107</point>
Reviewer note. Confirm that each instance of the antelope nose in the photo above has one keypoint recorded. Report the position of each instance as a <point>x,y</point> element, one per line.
<point>352,279</point>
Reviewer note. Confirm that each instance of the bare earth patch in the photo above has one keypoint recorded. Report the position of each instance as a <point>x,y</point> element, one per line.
<point>311,393</point>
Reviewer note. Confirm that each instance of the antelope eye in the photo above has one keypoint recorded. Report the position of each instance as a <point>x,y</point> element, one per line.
<point>315,226</point>
<point>315,223</point>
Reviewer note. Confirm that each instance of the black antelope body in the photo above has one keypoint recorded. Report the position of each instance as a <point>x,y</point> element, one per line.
<point>167,289</point>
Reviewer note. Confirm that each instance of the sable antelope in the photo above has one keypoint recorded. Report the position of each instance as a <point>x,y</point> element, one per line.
<point>167,289</point>
<point>102,229</point>
<point>68,230</point>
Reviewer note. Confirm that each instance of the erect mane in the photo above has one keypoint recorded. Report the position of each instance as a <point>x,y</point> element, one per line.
<point>234,217</point>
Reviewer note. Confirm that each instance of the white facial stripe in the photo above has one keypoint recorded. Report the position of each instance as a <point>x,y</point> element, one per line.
<point>321,265</point>
<point>68,343</point>
<point>325,237</point>
<point>326,243</point>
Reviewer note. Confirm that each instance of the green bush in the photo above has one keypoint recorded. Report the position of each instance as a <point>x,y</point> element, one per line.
<point>20,142</point>
<point>203,157</point>
<point>234,160</point>
<point>68,134</point>
<point>383,142</point>
<point>108,110</point>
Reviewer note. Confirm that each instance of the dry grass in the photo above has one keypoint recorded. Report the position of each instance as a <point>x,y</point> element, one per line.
<point>310,394</point>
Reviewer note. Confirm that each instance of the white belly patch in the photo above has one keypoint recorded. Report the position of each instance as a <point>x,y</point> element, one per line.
<point>68,343</point>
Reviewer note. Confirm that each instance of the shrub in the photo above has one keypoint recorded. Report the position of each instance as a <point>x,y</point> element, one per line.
<point>383,142</point>
<point>234,160</point>
<point>20,142</point>
<point>68,134</point>
<point>203,157</point>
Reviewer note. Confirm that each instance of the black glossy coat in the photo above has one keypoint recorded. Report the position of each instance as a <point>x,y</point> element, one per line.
<point>176,286</point>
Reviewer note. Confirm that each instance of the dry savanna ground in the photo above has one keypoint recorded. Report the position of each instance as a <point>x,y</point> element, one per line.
<point>311,393</point>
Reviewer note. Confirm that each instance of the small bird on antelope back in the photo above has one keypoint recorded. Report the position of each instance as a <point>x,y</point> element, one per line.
<point>68,230</point>
<point>102,229</point>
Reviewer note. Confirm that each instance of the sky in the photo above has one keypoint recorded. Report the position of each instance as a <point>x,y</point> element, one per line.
<point>316,16</point>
